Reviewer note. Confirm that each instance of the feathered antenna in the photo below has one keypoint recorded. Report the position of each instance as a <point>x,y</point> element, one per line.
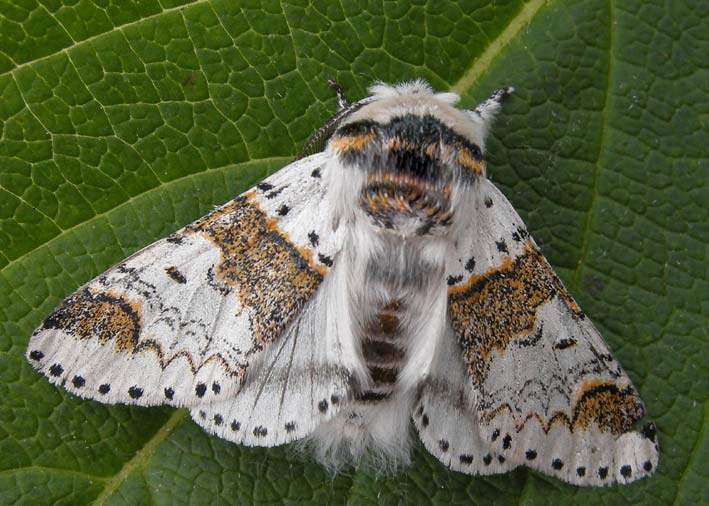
<point>317,141</point>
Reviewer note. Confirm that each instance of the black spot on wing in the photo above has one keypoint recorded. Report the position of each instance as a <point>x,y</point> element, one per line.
<point>324,259</point>
<point>507,442</point>
<point>176,275</point>
<point>452,280</point>
<point>135,392</point>
<point>273,194</point>
<point>36,355</point>
<point>104,389</point>
<point>283,210</point>
<point>322,406</point>
<point>562,344</point>
<point>313,238</point>
<point>649,431</point>
<point>626,471</point>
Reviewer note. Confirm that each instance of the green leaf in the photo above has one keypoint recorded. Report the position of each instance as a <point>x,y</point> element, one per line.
<point>121,121</point>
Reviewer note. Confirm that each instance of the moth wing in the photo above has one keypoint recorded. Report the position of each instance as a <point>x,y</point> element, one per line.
<point>298,382</point>
<point>183,320</point>
<point>523,376</point>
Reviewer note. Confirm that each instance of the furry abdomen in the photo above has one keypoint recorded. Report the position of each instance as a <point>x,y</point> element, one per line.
<point>396,299</point>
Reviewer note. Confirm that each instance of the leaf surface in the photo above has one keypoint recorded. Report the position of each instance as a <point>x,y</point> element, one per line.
<point>122,121</point>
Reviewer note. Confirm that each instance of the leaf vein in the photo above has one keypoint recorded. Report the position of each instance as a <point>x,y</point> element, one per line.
<point>157,188</point>
<point>141,458</point>
<point>483,62</point>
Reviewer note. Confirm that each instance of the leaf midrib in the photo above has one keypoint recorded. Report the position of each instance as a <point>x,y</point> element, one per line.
<point>483,62</point>
<point>588,215</point>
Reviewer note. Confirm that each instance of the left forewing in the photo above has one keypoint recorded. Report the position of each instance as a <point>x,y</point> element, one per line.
<point>540,386</point>
<point>181,321</point>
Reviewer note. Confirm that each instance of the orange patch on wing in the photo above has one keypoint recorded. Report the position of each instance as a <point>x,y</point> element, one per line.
<point>110,317</point>
<point>475,278</point>
<point>492,309</point>
<point>610,407</point>
<point>106,316</point>
<point>271,275</point>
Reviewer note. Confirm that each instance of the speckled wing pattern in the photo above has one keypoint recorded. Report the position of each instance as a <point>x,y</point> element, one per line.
<point>183,321</point>
<point>523,376</point>
<point>297,384</point>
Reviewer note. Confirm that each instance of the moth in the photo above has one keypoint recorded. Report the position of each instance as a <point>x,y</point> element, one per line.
<point>378,280</point>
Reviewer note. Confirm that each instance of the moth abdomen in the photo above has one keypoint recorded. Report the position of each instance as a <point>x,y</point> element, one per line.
<point>384,352</point>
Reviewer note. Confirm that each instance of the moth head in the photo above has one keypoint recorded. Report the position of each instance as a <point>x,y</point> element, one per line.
<point>409,154</point>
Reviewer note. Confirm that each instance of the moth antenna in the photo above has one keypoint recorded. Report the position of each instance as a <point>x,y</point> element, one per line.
<point>318,140</point>
<point>487,109</point>
<point>342,102</point>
